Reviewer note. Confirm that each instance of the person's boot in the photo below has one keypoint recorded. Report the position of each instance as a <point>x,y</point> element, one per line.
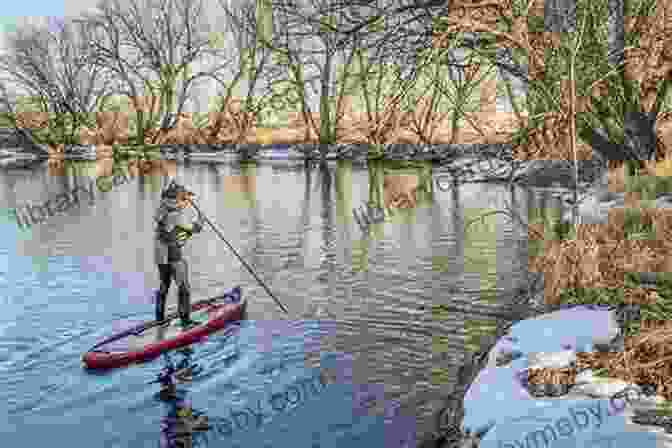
<point>185,309</point>
<point>160,306</point>
<point>187,323</point>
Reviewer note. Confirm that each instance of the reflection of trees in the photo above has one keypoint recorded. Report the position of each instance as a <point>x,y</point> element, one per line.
<point>9,190</point>
<point>56,167</point>
<point>458,227</point>
<point>399,190</point>
<point>304,224</point>
<point>328,264</point>
<point>480,248</point>
<point>247,185</point>
<point>393,188</point>
<point>376,182</point>
<point>343,190</point>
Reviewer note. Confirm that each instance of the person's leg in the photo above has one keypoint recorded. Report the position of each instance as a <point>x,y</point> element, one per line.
<point>165,278</point>
<point>184,290</point>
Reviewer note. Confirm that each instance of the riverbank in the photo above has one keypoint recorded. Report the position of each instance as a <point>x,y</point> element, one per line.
<point>602,343</point>
<point>501,406</point>
<point>466,162</point>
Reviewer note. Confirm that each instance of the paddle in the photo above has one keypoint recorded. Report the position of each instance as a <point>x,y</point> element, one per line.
<point>238,256</point>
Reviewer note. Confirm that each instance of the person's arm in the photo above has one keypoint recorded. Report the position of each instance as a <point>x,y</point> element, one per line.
<point>198,224</point>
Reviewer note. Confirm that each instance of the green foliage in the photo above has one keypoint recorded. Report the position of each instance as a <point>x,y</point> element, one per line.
<point>518,7</point>
<point>279,58</point>
<point>216,40</point>
<point>650,187</point>
<point>633,227</point>
<point>247,63</point>
<point>665,84</point>
<point>6,120</point>
<point>30,104</point>
<point>377,25</point>
<point>361,80</point>
<point>199,119</point>
<point>264,18</point>
<point>603,372</point>
<point>327,24</point>
<point>284,96</point>
<point>664,408</point>
<point>639,7</point>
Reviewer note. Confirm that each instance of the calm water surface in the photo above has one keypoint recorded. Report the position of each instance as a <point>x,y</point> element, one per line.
<point>360,306</point>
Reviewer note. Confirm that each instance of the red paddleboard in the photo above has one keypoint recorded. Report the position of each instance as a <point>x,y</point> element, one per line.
<point>149,339</point>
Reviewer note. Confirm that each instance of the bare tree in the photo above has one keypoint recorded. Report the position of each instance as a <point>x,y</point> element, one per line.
<point>50,65</point>
<point>305,48</point>
<point>248,63</point>
<point>148,46</point>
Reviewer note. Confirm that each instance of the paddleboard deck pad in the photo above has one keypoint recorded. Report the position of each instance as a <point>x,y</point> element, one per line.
<point>149,339</point>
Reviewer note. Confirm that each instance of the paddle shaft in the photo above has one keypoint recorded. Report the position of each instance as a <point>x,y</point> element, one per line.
<point>219,234</point>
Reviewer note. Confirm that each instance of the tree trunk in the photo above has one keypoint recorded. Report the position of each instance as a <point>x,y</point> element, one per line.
<point>559,16</point>
<point>616,37</point>
<point>325,122</point>
<point>639,136</point>
<point>639,126</point>
<point>29,145</point>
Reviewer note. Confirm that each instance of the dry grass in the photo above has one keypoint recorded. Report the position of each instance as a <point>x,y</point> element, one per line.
<point>565,375</point>
<point>647,359</point>
<point>600,256</point>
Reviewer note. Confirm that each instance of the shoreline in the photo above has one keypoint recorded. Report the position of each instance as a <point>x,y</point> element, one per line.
<point>496,377</point>
<point>499,373</point>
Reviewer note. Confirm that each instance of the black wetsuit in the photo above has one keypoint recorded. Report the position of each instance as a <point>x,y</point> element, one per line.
<point>168,256</point>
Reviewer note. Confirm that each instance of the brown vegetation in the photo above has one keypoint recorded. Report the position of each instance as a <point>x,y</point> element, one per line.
<point>646,359</point>
<point>600,256</point>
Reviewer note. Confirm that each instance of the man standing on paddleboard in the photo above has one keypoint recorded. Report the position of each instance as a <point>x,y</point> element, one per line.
<point>172,232</point>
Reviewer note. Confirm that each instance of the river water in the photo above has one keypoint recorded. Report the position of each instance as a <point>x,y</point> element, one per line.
<point>360,304</point>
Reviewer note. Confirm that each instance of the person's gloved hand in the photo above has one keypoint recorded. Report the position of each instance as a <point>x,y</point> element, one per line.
<point>197,226</point>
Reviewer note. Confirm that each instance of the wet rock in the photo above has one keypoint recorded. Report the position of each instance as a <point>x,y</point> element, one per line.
<point>547,389</point>
<point>653,418</point>
<point>647,389</point>
<point>548,173</point>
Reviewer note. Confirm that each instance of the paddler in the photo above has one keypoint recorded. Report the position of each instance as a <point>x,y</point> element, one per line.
<point>172,232</point>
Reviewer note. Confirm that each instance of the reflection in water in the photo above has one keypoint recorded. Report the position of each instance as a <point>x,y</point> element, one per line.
<point>303,244</point>
<point>181,420</point>
<point>327,252</point>
<point>393,195</point>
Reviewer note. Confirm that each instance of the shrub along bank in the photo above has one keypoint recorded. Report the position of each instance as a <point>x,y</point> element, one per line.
<point>602,264</point>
